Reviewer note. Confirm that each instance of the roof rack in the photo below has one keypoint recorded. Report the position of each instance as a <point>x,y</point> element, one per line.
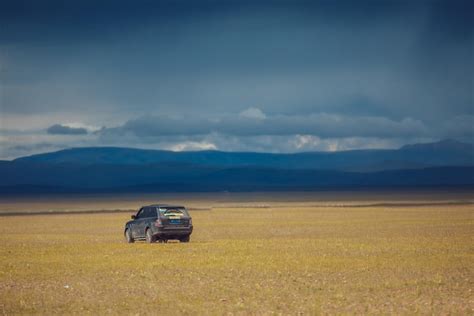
<point>166,205</point>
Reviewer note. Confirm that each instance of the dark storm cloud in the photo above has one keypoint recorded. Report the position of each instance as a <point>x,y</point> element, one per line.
<point>58,129</point>
<point>285,56</point>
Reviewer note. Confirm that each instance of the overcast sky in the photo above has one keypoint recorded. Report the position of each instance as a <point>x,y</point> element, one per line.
<point>278,76</point>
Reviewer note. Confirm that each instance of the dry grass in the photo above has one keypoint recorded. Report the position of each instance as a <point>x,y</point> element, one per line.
<point>285,260</point>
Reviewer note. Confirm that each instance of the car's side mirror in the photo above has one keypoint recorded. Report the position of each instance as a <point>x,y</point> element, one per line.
<point>133,217</point>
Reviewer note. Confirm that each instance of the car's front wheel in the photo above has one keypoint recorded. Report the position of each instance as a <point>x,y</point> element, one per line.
<point>184,239</point>
<point>128,236</point>
<point>149,236</point>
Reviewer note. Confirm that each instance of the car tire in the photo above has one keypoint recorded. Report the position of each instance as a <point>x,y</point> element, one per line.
<point>149,236</point>
<point>184,239</point>
<point>128,236</point>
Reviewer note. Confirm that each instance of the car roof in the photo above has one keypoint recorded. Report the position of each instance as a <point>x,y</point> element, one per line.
<point>166,205</point>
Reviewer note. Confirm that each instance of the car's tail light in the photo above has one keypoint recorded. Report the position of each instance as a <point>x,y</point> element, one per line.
<point>158,223</point>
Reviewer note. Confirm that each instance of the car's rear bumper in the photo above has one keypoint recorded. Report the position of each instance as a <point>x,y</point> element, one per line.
<point>170,231</point>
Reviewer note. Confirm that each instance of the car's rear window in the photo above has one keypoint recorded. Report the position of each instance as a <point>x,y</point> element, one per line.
<point>173,211</point>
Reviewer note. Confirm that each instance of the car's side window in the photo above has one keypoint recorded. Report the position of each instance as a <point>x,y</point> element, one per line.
<point>140,213</point>
<point>152,212</point>
<point>148,212</point>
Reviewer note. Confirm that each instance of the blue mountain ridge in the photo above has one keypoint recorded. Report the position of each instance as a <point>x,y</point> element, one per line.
<point>443,153</point>
<point>111,169</point>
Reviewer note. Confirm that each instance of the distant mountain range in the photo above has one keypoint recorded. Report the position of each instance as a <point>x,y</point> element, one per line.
<point>100,169</point>
<point>443,153</point>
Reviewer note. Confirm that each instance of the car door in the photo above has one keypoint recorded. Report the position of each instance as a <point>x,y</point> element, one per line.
<point>142,222</point>
<point>136,223</point>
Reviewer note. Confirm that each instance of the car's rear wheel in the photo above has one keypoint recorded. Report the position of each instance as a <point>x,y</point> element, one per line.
<point>128,236</point>
<point>184,239</point>
<point>149,236</point>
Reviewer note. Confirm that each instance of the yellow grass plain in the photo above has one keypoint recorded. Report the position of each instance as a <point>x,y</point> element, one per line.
<point>284,258</point>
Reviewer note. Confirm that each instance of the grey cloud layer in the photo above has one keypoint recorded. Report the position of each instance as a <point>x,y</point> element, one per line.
<point>58,129</point>
<point>321,125</point>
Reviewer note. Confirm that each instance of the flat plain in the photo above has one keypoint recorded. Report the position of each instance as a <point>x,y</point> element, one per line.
<point>248,255</point>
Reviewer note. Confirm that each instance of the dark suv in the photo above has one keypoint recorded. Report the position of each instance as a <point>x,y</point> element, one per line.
<point>159,222</point>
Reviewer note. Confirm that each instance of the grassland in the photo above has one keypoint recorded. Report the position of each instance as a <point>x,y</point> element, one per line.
<point>284,258</point>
